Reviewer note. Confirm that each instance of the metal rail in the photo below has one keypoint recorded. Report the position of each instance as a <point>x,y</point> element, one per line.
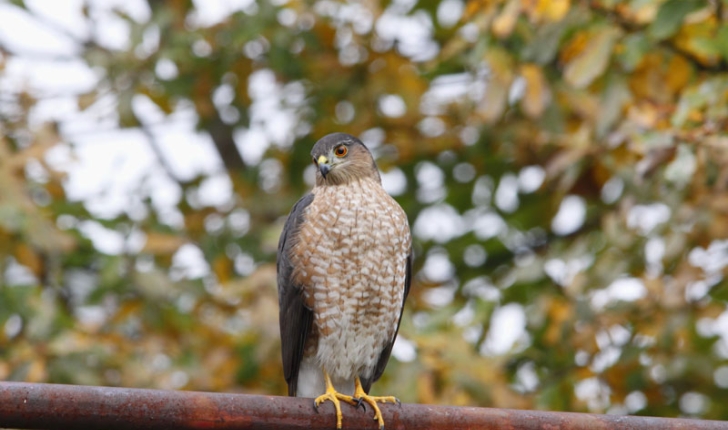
<point>51,406</point>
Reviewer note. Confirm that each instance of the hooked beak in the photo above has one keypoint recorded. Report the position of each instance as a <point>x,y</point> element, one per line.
<point>323,165</point>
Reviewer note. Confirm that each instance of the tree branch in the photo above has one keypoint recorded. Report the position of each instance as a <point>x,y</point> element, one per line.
<point>222,137</point>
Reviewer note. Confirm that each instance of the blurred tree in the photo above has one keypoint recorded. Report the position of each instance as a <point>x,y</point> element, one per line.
<point>564,165</point>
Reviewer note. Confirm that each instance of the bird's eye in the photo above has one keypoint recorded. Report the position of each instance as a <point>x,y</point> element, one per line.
<point>340,151</point>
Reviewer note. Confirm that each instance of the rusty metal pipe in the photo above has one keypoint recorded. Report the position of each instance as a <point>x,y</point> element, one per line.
<point>51,406</point>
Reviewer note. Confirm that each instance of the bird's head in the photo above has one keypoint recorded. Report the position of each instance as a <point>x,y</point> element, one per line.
<point>341,158</point>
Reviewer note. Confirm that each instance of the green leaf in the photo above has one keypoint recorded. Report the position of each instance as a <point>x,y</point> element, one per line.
<point>721,41</point>
<point>670,17</point>
<point>634,47</point>
<point>680,171</point>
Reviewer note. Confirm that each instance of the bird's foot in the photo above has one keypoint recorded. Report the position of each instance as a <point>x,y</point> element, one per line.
<point>372,401</point>
<point>361,397</point>
<point>336,398</point>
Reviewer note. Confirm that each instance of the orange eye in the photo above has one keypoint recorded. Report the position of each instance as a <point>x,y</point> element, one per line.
<point>340,151</point>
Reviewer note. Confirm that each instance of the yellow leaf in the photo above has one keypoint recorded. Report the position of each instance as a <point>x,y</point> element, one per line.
<point>593,58</point>
<point>425,388</point>
<point>55,190</point>
<point>546,10</point>
<point>506,20</point>
<point>648,80</point>
<point>475,6</point>
<point>678,74</point>
<point>494,102</point>
<point>159,243</point>
<point>223,267</point>
<point>574,47</point>
<point>537,93</point>
<point>553,10</point>
<point>720,203</point>
<point>693,38</point>
<point>641,13</point>
<point>36,371</point>
<point>46,137</point>
<point>85,100</point>
<point>559,312</point>
<point>159,98</point>
<point>29,258</point>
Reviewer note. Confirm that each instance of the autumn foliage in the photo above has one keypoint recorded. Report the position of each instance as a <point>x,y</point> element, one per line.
<point>564,165</point>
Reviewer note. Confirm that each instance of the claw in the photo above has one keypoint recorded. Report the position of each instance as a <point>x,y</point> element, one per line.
<point>361,396</point>
<point>334,397</point>
<point>360,402</point>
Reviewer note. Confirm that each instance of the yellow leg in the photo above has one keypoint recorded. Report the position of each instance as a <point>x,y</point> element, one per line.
<point>361,396</point>
<point>334,396</point>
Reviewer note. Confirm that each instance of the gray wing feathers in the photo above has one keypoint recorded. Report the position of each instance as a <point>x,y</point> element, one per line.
<point>295,318</point>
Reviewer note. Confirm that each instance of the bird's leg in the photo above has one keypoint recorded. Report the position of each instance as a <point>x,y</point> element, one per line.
<point>361,396</point>
<point>335,397</point>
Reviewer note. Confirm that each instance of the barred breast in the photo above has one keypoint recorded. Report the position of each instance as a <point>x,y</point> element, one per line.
<point>351,259</point>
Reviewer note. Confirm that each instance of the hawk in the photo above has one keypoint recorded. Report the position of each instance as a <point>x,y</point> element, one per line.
<point>344,270</point>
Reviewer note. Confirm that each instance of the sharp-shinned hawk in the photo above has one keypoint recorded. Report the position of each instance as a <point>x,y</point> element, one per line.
<point>344,271</point>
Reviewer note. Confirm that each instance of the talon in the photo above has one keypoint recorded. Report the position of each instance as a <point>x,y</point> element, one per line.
<point>334,397</point>
<point>360,402</point>
<point>361,396</point>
